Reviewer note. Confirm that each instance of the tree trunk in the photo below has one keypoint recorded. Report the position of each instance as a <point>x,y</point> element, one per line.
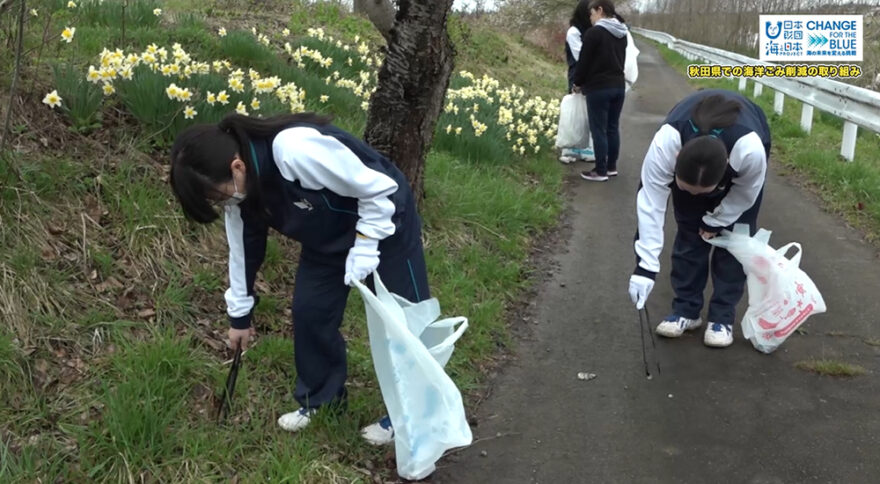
<point>412,87</point>
<point>380,13</point>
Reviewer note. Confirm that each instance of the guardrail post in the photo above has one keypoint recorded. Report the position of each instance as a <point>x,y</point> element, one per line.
<point>848,148</point>
<point>807,118</point>
<point>670,45</point>
<point>759,89</point>
<point>742,84</point>
<point>778,102</point>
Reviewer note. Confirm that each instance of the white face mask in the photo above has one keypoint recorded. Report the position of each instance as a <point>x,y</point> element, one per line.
<point>236,198</point>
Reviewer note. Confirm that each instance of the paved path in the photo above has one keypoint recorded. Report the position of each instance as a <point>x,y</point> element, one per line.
<point>732,415</point>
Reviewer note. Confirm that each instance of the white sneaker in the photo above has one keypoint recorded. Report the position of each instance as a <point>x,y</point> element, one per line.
<point>296,421</point>
<point>379,433</point>
<point>718,335</point>
<point>675,326</point>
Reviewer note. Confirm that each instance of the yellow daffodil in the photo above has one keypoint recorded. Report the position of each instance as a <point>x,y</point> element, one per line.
<point>448,129</point>
<point>240,109</point>
<point>522,150</point>
<point>457,130</point>
<point>189,112</point>
<point>255,104</point>
<point>285,32</point>
<point>157,12</point>
<point>210,98</point>
<point>126,74</point>
<point>365,105</point>
<point>221,32</point>
<point>223,98</point>
<point>71,4</point>
<point>34,12</point>
<point>67,34</point>
<point>53,100</point>
<point>325,98</point>
<point>108,89</point>
<point>94,75</point>
<point>537,149</point>
<point>236,84</point>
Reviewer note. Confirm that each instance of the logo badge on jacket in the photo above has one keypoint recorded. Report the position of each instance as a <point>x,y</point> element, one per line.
<point>304,205</point>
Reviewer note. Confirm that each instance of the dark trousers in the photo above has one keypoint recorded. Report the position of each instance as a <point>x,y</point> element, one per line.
<point>319,302</point>
<point>692,258</point>
<point>603,108</point>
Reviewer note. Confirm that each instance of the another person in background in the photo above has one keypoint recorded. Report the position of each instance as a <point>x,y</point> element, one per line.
<point>579,23</point>
<point>711,156</point>
<point>599,75</point>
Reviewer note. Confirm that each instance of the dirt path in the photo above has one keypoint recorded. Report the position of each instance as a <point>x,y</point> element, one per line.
<point>731,415</point>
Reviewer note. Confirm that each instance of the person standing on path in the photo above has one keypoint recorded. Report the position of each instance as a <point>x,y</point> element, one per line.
<point>350,208</point>
<point>711,154</point>
<point>579,23</point>
<point>599,75</point>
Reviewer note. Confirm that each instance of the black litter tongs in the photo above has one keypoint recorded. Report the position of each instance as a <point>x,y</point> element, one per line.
<point>645,326</point>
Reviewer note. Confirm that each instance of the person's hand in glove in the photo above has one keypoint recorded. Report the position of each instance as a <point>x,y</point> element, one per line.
<point>639,289</point>
<point>363,259</point>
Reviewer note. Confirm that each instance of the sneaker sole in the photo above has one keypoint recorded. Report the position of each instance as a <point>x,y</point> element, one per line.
<point>717,345</point>
<point>598,179</point>
<point>675,333</point>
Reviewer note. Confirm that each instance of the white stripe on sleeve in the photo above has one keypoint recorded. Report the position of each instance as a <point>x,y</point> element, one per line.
<point>749,160</point>
<point>573,38</point>
<point>238,303</point>
<point>658,173</point>
<point>320,161</point>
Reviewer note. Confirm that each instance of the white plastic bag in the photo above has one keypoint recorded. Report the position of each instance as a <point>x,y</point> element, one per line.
<point>631,64</point>
<point>410,348</point>
<point>781,295</point>
<point>573,130</point>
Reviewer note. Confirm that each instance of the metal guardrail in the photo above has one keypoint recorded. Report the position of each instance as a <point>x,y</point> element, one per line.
<point>855,105</point>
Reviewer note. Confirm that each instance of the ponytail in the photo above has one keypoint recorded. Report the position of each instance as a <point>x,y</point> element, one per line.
<point>702,161</point>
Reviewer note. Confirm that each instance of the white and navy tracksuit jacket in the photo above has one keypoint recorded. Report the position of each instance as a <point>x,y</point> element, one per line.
<point>320,186</point>
<point>737,199</point>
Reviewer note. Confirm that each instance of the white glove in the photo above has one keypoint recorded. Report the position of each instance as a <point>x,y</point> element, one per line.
<point>362,260</point>
<point>639,289</point>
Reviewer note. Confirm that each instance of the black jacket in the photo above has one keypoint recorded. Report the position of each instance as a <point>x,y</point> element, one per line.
<point>600,65</point>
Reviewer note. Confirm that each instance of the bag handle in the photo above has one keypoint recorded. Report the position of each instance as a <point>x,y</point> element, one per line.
<point>452,338</point>
<point>796,259</point>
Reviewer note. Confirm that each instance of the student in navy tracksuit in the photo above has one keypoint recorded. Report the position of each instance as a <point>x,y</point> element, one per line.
<point>600,76</point>
<point>579,23</point>
<point>350,208</point>
<point>711,155</point>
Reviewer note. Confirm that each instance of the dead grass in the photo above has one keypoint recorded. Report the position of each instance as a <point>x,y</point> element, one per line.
<point>829,367</point>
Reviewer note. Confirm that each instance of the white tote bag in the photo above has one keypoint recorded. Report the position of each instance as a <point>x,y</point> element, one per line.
<point>781,295</point>
<point>573,130</point>
<point>631,64</point>
<point>410,347</point>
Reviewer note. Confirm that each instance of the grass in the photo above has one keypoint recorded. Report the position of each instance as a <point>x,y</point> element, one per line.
<point>827,367</point>
<point>851,189</point>
<point>111,351</point>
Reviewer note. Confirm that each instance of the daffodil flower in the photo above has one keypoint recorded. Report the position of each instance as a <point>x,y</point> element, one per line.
<point>53,100</point>
<point>255,104</point>
<point>240,109</point>
<point>285,32</point>
<point>189,112</point>
<point>71,4</point>
<point>67,34</point>
<point>34,12</point>
<point>324,98</point>
<point>221,32</point>
<point>108,89</point>
<point>223,98</point>
<point>157,12</point>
